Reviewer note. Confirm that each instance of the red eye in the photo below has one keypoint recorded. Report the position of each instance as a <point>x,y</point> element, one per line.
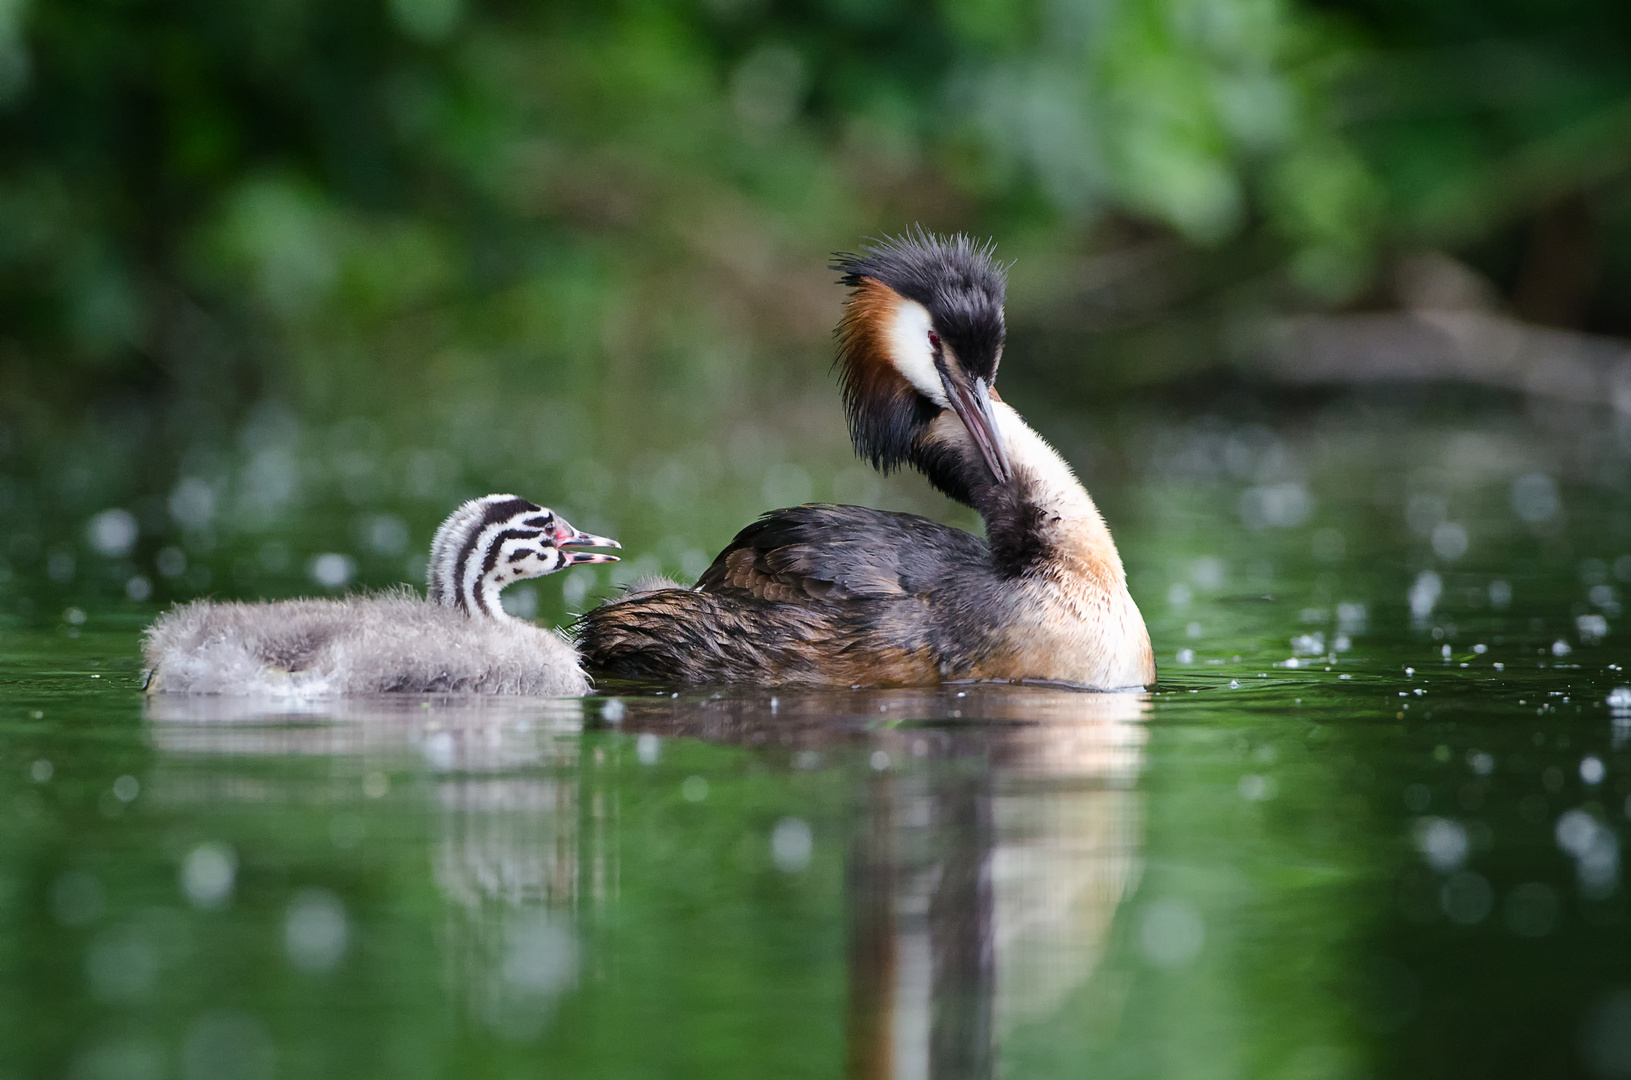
<point>934,341</point>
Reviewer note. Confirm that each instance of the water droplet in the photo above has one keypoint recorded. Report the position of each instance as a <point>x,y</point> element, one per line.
<point>315,930</point>
<point>441,752</point>
<point>1424,594</point>
<point>332,570</point>
<point>791,844</point>
<point>1535,498</point>
<point>1171,933</point>
<point>1449,541</point>
<point>1255,788</point>
<point>208,874</point>
<point>113,533</point>
<point>1442,842</point>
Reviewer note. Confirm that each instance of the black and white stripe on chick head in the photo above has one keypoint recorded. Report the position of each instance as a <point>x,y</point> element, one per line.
<point>495,541</point>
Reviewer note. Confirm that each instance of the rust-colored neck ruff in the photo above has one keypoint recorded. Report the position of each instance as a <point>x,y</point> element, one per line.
<point>886,369</point>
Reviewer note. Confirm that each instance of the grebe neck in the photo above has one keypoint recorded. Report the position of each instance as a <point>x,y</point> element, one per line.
<point>1042,520</point>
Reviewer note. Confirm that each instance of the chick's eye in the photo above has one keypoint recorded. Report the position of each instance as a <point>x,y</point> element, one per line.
<point>934,341</point>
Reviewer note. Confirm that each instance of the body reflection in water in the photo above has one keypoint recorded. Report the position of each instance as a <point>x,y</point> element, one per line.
<point>520,836</point>
<point>993,832</point>
<point>982,887</point>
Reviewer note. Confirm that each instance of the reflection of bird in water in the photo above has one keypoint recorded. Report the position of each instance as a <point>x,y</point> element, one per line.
<point>460,640</point>
<point>843,595</point>
<point>983,869</point>
<point>517,819</point>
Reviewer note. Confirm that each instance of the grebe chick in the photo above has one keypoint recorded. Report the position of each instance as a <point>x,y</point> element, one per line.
<point>459,640</point>
<point>844,595</point>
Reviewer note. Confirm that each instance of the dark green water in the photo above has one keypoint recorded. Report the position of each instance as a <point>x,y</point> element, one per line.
<point>1369,825</point>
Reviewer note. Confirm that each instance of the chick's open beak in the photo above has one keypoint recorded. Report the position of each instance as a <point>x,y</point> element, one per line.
<point>972,403</point>
<point>566,537</point>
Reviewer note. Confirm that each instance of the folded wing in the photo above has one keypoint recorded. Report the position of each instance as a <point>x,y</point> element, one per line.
<point>822,551</point>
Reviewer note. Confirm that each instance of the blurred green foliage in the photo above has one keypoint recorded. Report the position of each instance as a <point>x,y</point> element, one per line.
<point>281,194</point>
<point>285,196</point>
<point>369,257</point>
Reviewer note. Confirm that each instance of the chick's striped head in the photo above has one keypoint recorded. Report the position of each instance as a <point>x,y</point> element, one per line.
<point>497,540</point>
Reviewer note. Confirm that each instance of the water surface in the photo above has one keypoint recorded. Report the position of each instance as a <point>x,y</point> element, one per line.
<point>1369,824</point>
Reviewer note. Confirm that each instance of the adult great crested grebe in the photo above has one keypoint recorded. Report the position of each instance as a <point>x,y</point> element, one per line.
<point>843,595</point>
<point>459,640</point>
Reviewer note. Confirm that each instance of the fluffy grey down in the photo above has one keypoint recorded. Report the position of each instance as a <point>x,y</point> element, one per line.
<point>393,642</point>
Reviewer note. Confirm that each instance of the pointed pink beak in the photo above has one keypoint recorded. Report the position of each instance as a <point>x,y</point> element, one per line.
<point>567,537</point>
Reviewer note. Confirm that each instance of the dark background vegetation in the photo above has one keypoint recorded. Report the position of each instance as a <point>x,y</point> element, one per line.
<point>383,254</point>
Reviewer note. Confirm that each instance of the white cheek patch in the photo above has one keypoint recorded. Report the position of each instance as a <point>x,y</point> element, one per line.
<point>908,342</point>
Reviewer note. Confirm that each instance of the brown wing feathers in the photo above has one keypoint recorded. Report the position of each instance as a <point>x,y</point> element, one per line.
<point>816,594</point>
<point>829,552</point>
<point>682,636</point>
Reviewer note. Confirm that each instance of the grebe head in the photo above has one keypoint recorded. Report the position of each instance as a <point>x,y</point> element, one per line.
<point>493,542</point>
<point>922,333</point>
